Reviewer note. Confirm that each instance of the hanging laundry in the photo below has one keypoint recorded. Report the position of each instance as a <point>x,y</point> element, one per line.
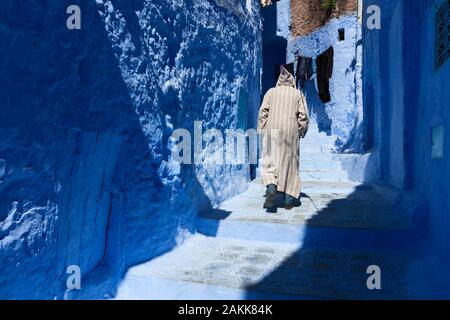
<point>304,70</point>
<point>324,74</point>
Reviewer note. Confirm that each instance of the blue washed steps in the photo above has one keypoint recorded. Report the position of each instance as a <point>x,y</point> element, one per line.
<point>319,250</point>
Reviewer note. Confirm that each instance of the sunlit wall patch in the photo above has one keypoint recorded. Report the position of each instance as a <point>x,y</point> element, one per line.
<point>437,142</point>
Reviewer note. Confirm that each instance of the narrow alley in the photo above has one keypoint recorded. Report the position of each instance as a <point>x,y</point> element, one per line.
<point>130,151</point>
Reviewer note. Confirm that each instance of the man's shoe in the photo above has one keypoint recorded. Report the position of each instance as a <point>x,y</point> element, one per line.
<point>271,193</point>
<point>290,202</point>
<point>269,203</point>
<point>270,188</point>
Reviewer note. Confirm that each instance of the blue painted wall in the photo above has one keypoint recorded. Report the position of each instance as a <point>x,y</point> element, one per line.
<point>431,177</point>
<point>409,97</point>
<point>86,175</point>
<point>383,89</point>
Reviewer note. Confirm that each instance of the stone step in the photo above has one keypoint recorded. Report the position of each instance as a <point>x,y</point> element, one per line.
<point>324,187</point>
<point>319,165</point>
<point>310,171</point>
<point>315,148</point>
<point>153,288</point>
<point>328,175</point>
<point>318,138</point>
<point>316,135</point>
<point>308,234</point>
<point>316,156</point>
<point>344,187</point>
<point>336,189</point>
<point>326,145</point>
<point>216,268</point>
<point>337,205</point>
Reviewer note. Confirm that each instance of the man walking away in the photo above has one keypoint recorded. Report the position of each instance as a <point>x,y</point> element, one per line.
<point>283,119</point>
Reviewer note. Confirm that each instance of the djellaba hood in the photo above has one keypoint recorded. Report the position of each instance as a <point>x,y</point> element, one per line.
<point>286,78</point>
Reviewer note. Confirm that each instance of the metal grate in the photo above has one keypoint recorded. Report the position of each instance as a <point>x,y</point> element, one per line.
<point>443,34</point>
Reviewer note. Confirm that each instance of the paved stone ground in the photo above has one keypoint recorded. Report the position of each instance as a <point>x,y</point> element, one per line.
<point>287,270</point>
<point>345,205</point>
<point>319,250</point>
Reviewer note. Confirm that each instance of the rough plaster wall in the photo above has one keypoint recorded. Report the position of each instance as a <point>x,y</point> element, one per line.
<point>343,116</point>
<point>86,176</point>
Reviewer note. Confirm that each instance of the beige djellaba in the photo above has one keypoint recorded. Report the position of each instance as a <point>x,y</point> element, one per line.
<point>283,119</point>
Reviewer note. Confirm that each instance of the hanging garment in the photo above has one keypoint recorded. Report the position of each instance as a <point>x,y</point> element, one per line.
<point>304,70</point>
<point>324,73</point>
<point>283,120</point>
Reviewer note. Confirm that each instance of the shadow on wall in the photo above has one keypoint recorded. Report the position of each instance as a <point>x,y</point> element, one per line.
<point>81,185</point>
<point>160,203</point>
<point>147,239</point>
<point>274,47</point>
<point>316,107</point>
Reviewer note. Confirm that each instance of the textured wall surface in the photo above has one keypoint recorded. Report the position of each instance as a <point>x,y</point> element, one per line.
<point>86,175</point>
<point>384,89</point>
<point>406,107</point>
<point>343,116</point>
